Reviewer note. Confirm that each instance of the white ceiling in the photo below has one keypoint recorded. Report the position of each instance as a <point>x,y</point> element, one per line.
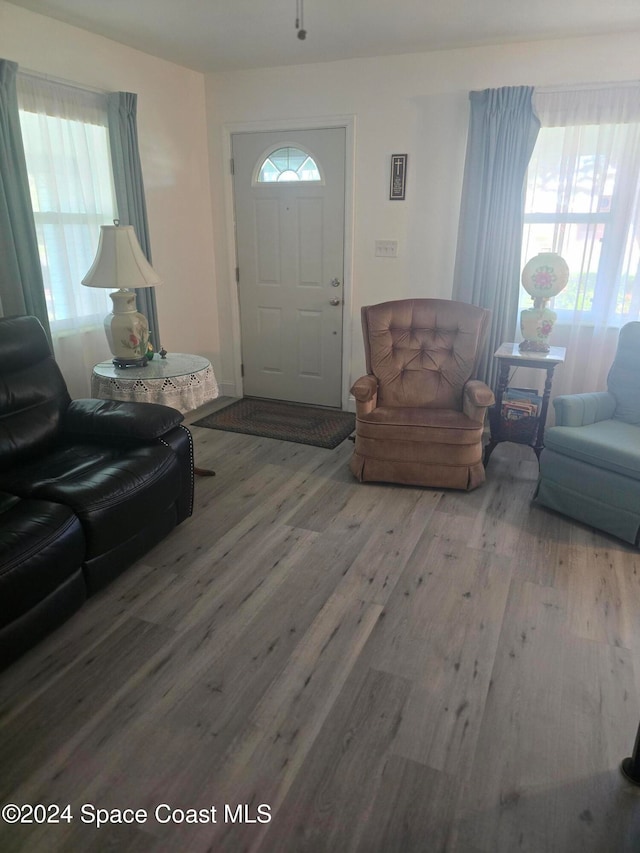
<point>219,35</point>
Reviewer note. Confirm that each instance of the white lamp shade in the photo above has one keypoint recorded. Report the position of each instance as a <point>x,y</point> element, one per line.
<point>119,261</point>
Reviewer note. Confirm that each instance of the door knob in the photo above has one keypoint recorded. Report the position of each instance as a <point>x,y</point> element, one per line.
<point>335,282</point>
<point>334,301</point>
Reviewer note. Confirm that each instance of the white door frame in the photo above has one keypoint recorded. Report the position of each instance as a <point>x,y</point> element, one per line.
<point>349,123</point>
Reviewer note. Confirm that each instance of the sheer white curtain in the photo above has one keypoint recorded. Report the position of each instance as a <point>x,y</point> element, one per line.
<point>66,143</point>
<point>583,201</point>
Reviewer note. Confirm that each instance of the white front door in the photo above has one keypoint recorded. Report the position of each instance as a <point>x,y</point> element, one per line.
<point>289,205</point>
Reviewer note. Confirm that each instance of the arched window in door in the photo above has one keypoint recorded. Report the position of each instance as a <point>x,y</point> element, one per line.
<point>288,164</point>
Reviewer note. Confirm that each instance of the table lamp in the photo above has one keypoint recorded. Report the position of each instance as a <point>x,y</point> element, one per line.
<point>120,263</point>
<point>543,277</point>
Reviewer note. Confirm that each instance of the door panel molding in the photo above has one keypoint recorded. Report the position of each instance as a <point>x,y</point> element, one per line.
<point>348,122</point>
<point>302,223</point>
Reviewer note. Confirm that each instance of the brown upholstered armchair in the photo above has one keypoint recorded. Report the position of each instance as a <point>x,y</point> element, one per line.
<point>419,411</point>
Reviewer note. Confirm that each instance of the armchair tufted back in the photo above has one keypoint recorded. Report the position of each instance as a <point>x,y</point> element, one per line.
<point>423,351</point>
<point>33,394</point>
<point>624,377</point>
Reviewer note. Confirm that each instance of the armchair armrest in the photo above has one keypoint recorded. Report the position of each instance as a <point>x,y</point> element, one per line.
<point>112,419</point>
<point>583,409</point>
<point>365,390</point>
<point>476,399</point>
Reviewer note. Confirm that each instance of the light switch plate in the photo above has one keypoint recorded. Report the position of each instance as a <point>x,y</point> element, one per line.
<point>386,249</point>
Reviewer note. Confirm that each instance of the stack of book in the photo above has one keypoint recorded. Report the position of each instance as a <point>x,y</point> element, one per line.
<point>519,403</point>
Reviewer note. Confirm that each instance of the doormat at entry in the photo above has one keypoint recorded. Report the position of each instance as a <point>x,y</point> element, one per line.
<point>285,421</point>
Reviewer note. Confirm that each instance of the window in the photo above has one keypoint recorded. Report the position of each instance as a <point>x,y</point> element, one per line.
<point>583,201</point>
<point>66,143</point>
<point>288,164</point>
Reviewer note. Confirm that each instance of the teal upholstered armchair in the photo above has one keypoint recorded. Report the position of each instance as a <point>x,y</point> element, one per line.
<point>590,467</point>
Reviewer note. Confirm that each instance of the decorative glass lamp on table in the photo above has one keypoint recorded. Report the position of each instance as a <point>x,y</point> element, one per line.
<point>520,414</point>
<point>543,277</point>
<point>120,263</point>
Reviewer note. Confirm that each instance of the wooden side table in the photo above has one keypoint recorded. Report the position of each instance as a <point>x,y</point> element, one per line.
<point>509,355</point>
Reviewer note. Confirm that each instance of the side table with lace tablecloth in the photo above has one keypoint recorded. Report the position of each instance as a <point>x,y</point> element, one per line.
<point>180,380</point>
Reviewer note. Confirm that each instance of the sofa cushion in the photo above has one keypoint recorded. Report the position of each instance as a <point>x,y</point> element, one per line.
<point>33,394</point>
<point>113,492</point>
<point>113,420</point>
<point>611,444</point>
<point>624,377</point>
<point>41,547</point>
<point>424,425</point>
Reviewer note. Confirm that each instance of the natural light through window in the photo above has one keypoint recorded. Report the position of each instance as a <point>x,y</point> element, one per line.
<point>71,185</point>
<point>288,164</point>
<point>583,201</point>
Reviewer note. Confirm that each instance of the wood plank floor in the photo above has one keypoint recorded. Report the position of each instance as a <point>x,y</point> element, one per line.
<point>385,668</point>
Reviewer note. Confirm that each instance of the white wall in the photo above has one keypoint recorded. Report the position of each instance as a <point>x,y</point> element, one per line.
<point>416,104</point>
<point>173,149</point>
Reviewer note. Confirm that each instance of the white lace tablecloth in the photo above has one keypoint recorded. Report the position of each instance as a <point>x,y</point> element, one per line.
<point>179,380</point>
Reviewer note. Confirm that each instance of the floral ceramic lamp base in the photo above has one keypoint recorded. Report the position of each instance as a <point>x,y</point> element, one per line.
<point>127,331</point>
<point>536,325</point>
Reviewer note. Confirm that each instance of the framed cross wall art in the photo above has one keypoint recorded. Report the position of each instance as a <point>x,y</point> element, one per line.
<point>398,177</point>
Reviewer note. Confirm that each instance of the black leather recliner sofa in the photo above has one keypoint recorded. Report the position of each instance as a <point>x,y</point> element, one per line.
<point>86,487</point>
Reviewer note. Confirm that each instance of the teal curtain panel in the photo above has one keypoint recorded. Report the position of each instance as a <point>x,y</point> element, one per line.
<point>502,132</point>
<point>129,186</point>
<point>21,285</point>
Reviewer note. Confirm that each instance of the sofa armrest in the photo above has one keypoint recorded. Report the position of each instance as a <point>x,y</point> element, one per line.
<point>112,419</point>
<point>476,399</point>
<point>582,409</point>
<point>365,390</point>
